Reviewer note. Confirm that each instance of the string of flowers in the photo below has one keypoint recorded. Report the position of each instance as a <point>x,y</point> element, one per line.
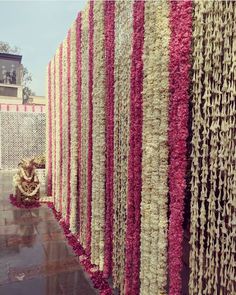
<point>90,130</point>
<point>23,205</point>
<point>61,124</point>
<point>123,31</point>
<point>74,133</point>
<point>132,263</point>
<point>109,17</point>
<point>84,127</point>
<point>180,49</point>
<point>64,130</point>
<point>212,234</point>
<point>57,130</point>
<point>49,133</point>
<point>79,93</point>
<point>154,223</point>
<point>98,187</point>
<point>69,128</point>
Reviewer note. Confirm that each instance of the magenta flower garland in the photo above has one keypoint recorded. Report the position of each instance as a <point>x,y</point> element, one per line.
<point>90,131</point>
<point>49,158</point>
<point>23,205</point>
<point>61,122</point>
<point>132,263</point>
<point>78,58</point>
<point>69,130</point>
<point>179,69</point>
<point>95,275</point>
<point>54,135</point>
<point>109,18</point>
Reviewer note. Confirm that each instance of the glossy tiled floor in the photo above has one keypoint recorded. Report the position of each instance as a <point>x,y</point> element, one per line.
<point>34,256</point>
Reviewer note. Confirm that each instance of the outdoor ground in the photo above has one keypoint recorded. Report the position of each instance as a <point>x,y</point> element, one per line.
<point>34,255</point>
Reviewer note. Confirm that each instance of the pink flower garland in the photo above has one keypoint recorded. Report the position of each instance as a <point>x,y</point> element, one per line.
<point>180,49</point>
<point>90,131</point>
<point>25,205</point>
<point>109,24</point>
<point>54,135</point>
<point>49,176</point>
<point>61,145</point>
<point>79,80</point>
<point>132,263</point>
<point>95,275</point>
<point>69,129</point>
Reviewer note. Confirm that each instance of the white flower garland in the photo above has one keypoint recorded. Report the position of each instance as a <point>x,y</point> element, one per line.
<point>98,188</point>
<point>84,115</point>
<point>153,271</point>
<point>74,133</point>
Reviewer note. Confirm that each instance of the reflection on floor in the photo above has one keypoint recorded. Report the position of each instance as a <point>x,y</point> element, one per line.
<point>34,256</point>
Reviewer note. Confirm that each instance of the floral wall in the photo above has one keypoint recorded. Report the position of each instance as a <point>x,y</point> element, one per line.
<point>140,141</point>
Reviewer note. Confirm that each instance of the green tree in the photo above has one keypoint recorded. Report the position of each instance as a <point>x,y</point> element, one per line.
<point>27,76</point>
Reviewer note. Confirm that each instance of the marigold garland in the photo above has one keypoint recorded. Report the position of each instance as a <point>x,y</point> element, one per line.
<point>123,31</point>
<point>98,187</point>
<point>132,263</point>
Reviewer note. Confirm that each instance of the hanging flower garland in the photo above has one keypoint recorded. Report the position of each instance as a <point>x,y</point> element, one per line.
<point>65,130</point>
<point>79,111</point>
<point>132,263</point>
<point>69,127</point>
<point>57,130</point>
<point>61,126</point>
<point>90,130</point>
<point>49,133</point>
<point>180,49</point>
<point>98,176</point>
<point>123,45</point>
<point>109,17</point>
<point>154,223</point>
<point>74,133</point>
<point>84,126</point>
<point>212,206</point>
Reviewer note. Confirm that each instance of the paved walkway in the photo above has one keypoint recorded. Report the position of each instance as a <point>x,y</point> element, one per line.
<point>34,255</point>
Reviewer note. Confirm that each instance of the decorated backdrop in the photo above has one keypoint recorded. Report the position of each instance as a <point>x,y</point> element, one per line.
<point>140,142</point>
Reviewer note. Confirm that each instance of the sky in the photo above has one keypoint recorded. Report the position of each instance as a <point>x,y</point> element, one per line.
<point>37,28</point>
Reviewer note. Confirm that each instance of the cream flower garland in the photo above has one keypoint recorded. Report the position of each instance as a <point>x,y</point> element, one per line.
<point>212,205</point>
<point>64,130</point>
<point>153,272</point>
<point>57,135</point>
<point>123,33</point>
<point>98,188</point>
<point>48,116</point>
<point>84,114</point>
<point>74,132</point>
<point>53,126</point>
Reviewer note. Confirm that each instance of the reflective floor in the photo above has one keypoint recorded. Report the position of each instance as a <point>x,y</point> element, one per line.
<point>34,255</point>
